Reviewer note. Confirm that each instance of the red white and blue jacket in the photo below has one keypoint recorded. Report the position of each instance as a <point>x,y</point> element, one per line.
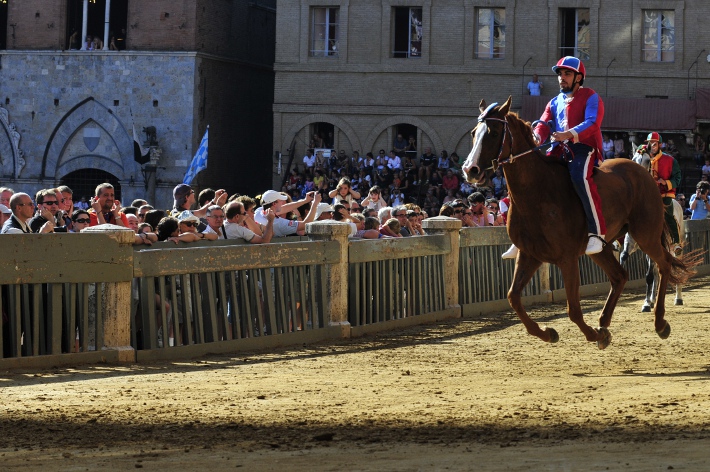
<point>582,115</point>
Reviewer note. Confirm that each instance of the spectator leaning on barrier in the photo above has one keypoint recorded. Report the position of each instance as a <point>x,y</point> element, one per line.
<point>105,208</point>
<point>271,199</point>
<point>22,210</point>
<point>235,229</point>
<point>215,222</point>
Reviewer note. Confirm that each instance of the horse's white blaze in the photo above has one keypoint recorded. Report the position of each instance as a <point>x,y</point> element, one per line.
<point>475,154</point>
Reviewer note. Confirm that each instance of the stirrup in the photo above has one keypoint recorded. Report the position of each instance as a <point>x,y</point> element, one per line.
<point>595,244</point>
<point>511,253</point>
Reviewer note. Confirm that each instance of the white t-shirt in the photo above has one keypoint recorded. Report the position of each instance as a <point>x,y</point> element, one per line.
<point>209,230</point>
<point>236,231</point>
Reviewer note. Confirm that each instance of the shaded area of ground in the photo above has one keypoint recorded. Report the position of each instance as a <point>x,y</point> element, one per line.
<point>458,395</point>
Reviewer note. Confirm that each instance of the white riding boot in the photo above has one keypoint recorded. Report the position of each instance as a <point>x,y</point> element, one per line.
<point>595,245</point>
<point>511,253</point>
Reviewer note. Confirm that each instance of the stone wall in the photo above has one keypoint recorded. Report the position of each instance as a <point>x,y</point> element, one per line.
<point>364,91</point>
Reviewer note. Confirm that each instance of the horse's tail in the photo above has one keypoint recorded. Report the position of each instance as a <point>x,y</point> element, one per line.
<point>683,266</point>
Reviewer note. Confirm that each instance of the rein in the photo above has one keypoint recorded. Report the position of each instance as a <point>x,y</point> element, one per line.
<point>506,131</point>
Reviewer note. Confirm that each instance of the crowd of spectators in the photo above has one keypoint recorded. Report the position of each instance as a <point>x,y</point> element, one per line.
<point>400,176</point>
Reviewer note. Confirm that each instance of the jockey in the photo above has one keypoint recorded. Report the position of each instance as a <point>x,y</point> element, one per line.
<point>666,172</point>
<point>576,115</point>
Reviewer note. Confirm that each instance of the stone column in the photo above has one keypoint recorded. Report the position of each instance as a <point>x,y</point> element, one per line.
<point>107,19</point>
<point>84,25</point>
<point>449,227</point>
<point>337,273</point>
<point>116,301</point>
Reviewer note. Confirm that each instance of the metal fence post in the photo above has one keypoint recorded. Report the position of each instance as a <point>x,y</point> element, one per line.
<point>449,227</point>
<point>337,274</point>
<point>116,299</point>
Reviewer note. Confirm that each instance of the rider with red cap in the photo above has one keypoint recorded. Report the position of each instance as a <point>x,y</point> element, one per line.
<point>666,172</point>
<point>575,116</point>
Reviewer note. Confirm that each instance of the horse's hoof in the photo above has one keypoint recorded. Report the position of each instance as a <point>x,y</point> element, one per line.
<point>678,301</point>
<point>604,342</point>
<point>646,309</point>
<point>665,332</point>
<point>554,337</point>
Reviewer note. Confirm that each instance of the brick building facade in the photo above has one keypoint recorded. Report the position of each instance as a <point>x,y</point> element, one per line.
<point>67,115</point>
<point>366,70</point>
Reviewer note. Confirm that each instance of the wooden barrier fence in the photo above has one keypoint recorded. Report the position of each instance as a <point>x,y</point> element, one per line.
<point>69,299</point>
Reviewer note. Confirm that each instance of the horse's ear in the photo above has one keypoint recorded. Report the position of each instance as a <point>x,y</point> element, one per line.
<point>634,147</point>
<point>482,106</point>
<point>506,106</point>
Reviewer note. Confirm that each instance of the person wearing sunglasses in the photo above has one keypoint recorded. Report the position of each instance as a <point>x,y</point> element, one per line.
<point>48,212</point>
<point>80,220</point>
<point>188,226</point>
<point>234,227</point>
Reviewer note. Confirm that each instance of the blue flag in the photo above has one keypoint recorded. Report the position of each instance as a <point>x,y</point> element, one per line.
<point>199,162</point>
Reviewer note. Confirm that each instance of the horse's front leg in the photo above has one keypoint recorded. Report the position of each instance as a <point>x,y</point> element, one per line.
<point>525,268</point>
<point>570,274</point>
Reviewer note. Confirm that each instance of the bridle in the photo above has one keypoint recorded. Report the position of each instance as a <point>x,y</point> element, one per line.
<point>506,132</point>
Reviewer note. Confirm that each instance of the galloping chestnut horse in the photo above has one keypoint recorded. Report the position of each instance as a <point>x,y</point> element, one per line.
<point>546,220</point>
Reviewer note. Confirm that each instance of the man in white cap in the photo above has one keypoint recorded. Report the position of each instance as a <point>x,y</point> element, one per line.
<point>324,212</point>
<point>274,200</point>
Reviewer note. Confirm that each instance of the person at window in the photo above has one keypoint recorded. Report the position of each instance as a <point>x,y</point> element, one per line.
<point>672,149</point>
<point>74,42</point>
<point>535,86</point>
<point>607,147</point>
<point>22,210</point>
<point>699,205</point>
<point>309,162</point>
<point>427,163</point>
<point>411,146</point>
<point>112,44</point>
<point>400,144</point>
<point>49,218</point>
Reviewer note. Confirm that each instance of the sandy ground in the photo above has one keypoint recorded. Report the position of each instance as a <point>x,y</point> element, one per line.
<point>460,395</point>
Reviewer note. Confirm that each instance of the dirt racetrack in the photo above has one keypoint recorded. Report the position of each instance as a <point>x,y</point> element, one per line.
<point>459,395</point>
